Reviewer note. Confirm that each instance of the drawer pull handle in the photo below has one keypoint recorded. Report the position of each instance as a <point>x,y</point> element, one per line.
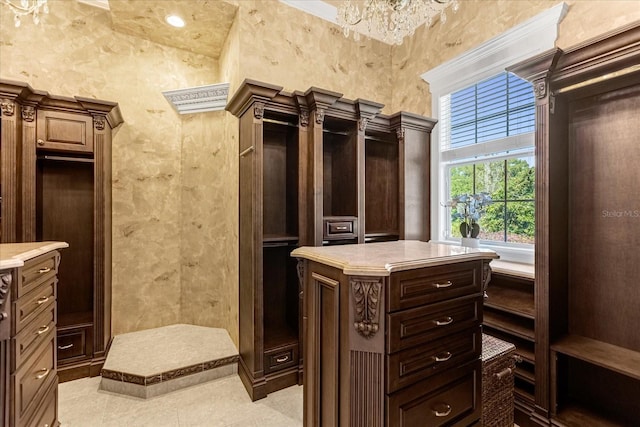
<point>45,372</point>
<point>446,321</point>
<point>44,270</point>
<point>503,373</point>
<point>42,300</point>
<point>282,359</point>
<point>341,227</point>
<point>65,347</point>
<point>42,330</point>
<point>441,409</point>
<point>443,357</point>
<point>443,285</point>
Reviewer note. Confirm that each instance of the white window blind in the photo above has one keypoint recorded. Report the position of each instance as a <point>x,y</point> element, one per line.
<point>494,115</point>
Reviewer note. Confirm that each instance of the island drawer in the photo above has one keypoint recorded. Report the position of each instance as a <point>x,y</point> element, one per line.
<point>415,288</point>
<point>31,305</point>
<point>32,379</point>
<point>47,414</point>
<point>36,271</point>
<point>415,364</point>
<point>421,325</point>
<point>450,398</point>
<point>33,335</point>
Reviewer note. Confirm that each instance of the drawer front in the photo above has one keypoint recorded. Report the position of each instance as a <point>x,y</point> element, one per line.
<point>415,288</point>
<point>60,131</point>
<point>37,271</point>
<point>422,325</point>
<point>30,306</point>
<point>415,364</point>
<point>280,358</point>
<point>340,227</point>
<point>47,414</point>
<point>31,380</point>
<point>451,398</point>
<point>33,335</point>
<point>73,343</point>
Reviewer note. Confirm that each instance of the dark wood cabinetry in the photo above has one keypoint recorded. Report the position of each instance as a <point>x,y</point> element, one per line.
<point>587,348</point>
<point>315,169</point>
<point>56,185</point>
<point>393,334</point>
<point>29,378</point>
<point>509,314</point>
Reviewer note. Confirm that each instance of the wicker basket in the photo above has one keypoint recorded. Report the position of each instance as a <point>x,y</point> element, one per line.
<point>498,363</point>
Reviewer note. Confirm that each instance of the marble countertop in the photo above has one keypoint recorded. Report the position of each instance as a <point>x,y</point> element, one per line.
<point>382,259</point>
<point>14,255</point>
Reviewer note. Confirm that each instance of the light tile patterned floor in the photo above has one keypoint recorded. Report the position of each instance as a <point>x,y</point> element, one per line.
<point>219,403</point>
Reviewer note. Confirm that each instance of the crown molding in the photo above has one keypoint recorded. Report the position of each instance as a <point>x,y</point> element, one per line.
<point>198,99</point>
<point>521,42</point>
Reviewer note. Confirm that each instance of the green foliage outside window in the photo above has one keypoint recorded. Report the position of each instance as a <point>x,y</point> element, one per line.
<point>511,185</point>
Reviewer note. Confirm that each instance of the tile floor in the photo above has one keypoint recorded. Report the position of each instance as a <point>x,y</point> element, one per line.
<point>219,403</point>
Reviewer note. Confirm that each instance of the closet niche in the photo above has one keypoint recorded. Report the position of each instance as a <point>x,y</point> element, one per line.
<point>58,150</point>
<point>315,169</point>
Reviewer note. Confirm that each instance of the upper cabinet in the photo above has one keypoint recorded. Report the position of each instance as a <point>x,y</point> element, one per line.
<point>315,169</point>
<point>61,131</point>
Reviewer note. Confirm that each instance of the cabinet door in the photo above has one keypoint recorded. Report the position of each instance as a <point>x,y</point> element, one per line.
<point>62,131</point>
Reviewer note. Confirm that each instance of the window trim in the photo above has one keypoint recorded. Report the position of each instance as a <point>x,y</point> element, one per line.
<point>521,42</point>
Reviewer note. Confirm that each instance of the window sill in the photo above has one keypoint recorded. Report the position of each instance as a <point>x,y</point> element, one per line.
<point>515,269</point>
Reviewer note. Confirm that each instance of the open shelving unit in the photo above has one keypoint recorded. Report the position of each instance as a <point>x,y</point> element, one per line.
<point>587,349</point>
<point>509,314</point>
<point>303,157</point>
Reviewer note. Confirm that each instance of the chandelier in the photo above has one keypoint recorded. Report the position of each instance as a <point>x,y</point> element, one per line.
<point>26,7</point>
<point>390,20</point>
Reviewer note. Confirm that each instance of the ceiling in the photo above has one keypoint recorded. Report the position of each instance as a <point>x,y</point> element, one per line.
<point>207,22</point>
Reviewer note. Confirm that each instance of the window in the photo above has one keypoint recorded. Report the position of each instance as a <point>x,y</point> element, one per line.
<point>486,145</point>
<point>485,124</point>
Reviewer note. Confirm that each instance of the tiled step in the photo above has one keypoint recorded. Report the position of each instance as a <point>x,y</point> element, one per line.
<point>157,361</point>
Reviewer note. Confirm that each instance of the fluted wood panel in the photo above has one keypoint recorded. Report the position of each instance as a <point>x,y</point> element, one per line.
<point>9,178</point>
<point>28,182</point>
<point>367,382</point>
<point>99,249</point>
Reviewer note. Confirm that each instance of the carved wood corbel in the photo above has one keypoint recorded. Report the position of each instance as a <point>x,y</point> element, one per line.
<point>304,118</point>
<point>258,110</point>
<point>300,271</point>
<point>366,296</point>
<point>320,116</point>
<point>7,107</point>
<point>28,113</point>
<point>98,122</point>
<point>486,277</point>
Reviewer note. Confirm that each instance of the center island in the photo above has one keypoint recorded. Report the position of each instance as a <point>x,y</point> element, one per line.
<point>392,333</point>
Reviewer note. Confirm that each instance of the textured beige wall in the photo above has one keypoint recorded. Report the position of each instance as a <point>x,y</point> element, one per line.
<point>75,52</point>
<point>284,46</point>
<point>480,20</point>
<point>209,221</point>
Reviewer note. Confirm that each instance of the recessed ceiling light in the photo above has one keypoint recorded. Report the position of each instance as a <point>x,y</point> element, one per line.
<point>175,21</point>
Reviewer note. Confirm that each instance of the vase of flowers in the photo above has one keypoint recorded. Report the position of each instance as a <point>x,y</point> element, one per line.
<point>469,208</point>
